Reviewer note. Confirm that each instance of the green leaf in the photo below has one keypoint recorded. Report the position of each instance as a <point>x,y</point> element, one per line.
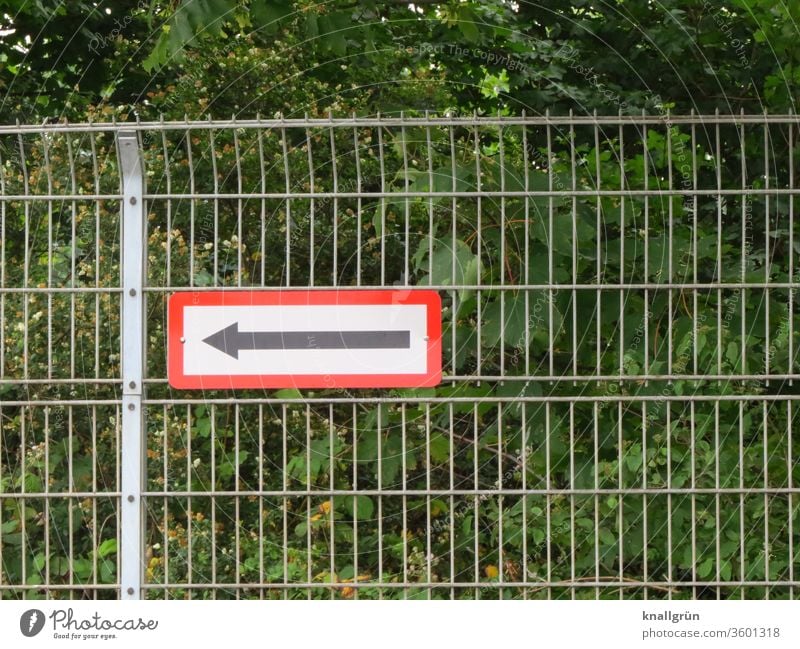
<point>312,25</point>
<point>109,546</point>
<point>268,13</point>
<point>606,537</point>
<point>180,33</point>
<point>440,448</point>
<point>332,33</point>
<point>204,427</point>
<point>391,464</point>
<point>158,56</point>
<point>203,278</point>
<point>704,569</point>
<point>365,507</point>
<point>439,180</point>
<point>59,566</point>
<point>634,458</point>
<point>191,19</point>
<point>493,85</point>
<point>82,568</point>
<point>466,524</point>
<point>510,314</point>
<point>195,14</point>
<point>371,420</point>
<point>288,393</point>
<point>448,265</point>
<point>438,507</point>
<point>467,26</point>
<point>107,571</point>
<point>732,353</point>
<point>33,483</point>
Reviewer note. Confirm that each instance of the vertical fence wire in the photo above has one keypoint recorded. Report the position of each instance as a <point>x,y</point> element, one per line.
<point>59,365</point>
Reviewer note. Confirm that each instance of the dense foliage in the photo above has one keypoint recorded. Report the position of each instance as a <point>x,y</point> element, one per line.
<point>220,57</point>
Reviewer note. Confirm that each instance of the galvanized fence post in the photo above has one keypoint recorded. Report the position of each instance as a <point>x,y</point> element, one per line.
<point>131,533</point>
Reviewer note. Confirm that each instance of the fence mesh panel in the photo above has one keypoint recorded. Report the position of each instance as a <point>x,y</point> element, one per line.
<point>619,339</point>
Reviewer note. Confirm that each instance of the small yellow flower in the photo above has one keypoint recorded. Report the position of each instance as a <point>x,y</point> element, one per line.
<point>491,571</point>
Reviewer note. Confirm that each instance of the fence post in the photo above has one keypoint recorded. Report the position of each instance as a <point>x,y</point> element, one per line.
<point>131,532</point>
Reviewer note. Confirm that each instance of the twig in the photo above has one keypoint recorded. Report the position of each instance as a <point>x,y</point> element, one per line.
<point>627,580</point>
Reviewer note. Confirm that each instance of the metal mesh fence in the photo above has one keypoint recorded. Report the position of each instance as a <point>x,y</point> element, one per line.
<point>616,415</point>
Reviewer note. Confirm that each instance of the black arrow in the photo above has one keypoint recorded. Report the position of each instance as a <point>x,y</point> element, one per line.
<point>230,340</point>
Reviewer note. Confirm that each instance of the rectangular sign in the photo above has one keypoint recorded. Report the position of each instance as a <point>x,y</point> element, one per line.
<point>305,339</point>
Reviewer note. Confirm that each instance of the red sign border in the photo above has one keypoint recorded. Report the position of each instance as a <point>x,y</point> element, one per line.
<point>181,381</point>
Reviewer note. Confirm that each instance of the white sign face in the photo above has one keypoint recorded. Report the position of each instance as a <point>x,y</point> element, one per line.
<point>234,339</point>
<point>305,339</point>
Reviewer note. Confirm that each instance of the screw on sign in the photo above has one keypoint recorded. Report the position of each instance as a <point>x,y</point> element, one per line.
<point>305,339</point>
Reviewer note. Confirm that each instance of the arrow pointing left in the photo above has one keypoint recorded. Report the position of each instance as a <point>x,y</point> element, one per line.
<point>230,340</point>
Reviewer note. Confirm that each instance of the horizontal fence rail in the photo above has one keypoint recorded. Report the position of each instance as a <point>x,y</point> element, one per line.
<point>619,338</point>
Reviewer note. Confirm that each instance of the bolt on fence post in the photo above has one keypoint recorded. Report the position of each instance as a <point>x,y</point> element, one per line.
<point>131,532</point>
